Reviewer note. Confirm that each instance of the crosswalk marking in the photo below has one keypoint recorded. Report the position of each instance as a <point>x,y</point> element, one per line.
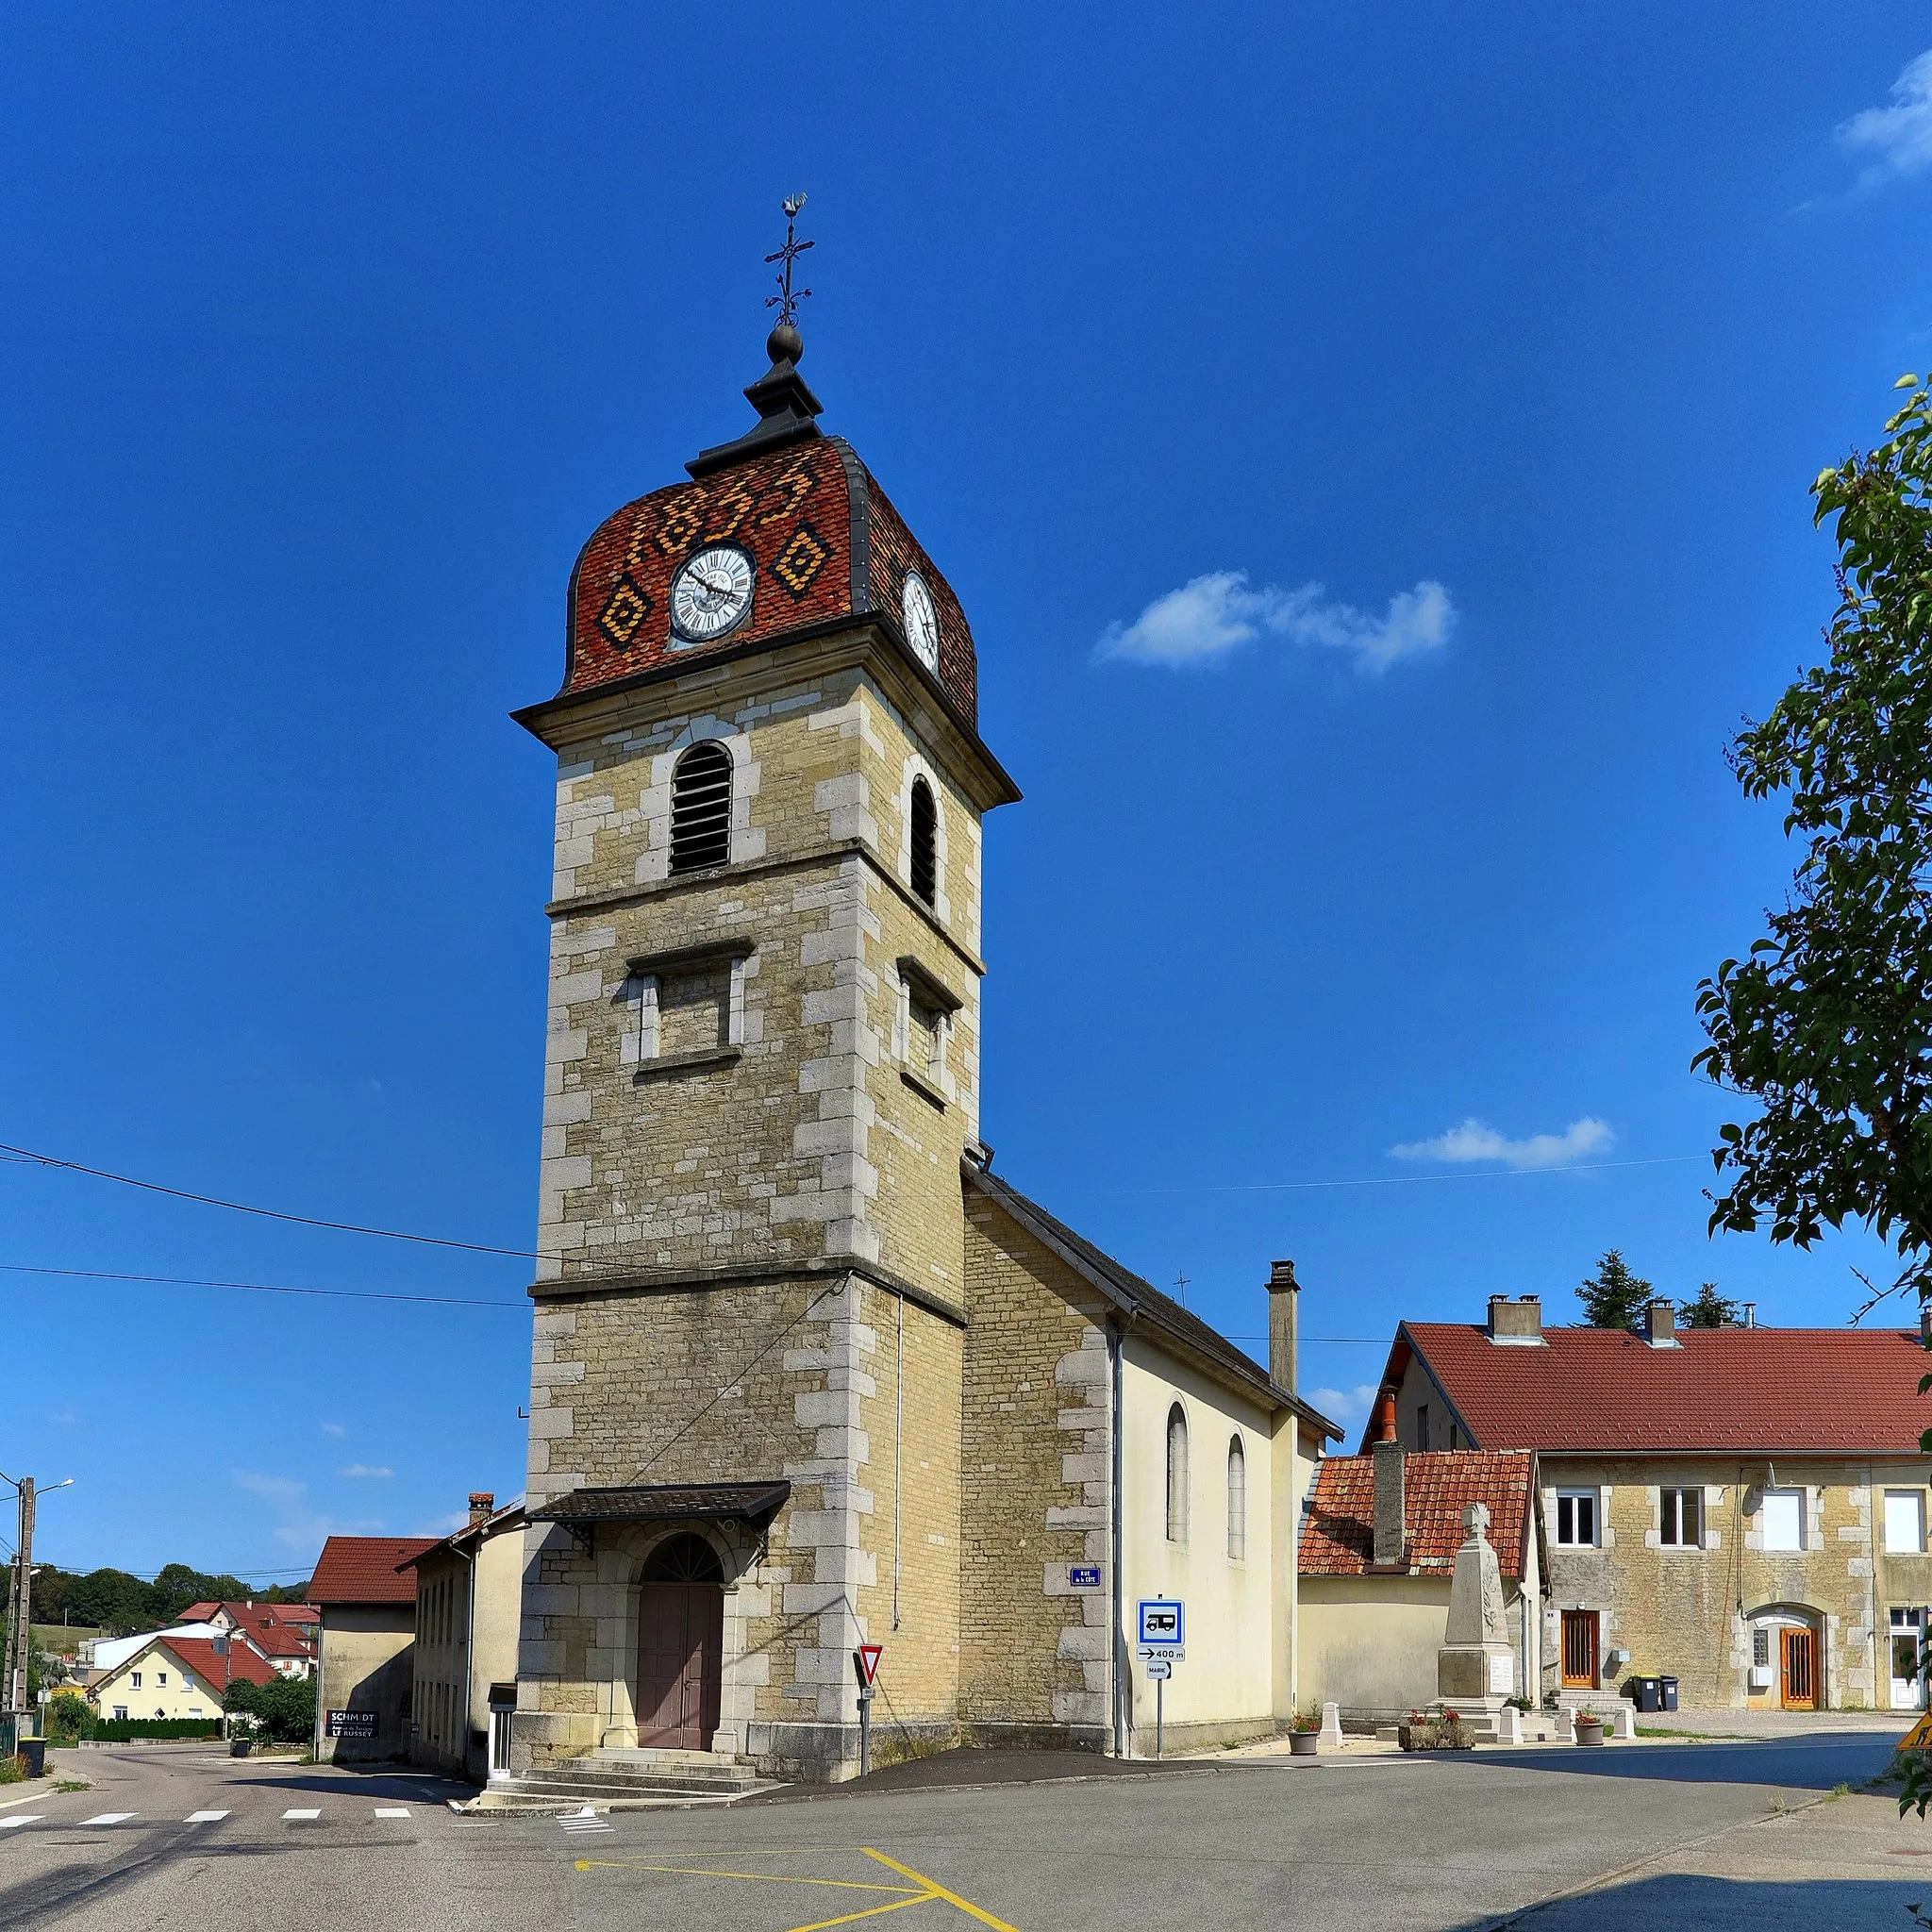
<point>392,1811</point>
<point>111,1817</point>
<point>206,1817</point>
<point>300,1817</point>
<point>10,1824</point>
<point>586,1820</point>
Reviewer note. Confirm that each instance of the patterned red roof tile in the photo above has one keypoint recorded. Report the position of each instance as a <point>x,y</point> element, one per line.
<point>1828,1390</point>
<point>198,1656</point>
<point>362,1570</point>
<point>1339,1533</point>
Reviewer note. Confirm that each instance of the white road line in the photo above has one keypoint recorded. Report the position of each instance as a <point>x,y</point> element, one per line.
<point>10,1824</point>
<point>392,1811</point>
<point>300,1817</point>
<point>206,1817</point>
<point>111,1818</point>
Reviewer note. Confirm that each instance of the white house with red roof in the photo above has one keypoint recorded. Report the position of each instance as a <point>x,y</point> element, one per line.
<point>1380,1535</point>
<point>173,1677</point>
<point>1741,1509</point>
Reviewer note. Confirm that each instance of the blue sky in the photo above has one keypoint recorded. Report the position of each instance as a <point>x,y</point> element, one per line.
<point>1371,451</point>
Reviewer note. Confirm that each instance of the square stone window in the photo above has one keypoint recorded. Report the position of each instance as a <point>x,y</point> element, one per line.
<point>686,1009</point>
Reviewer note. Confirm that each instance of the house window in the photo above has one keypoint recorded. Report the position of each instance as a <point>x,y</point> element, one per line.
<point>1680,1518</point>
<point>1237,1501</point>
<point>925,853</point>
<point>1576,1518</point>
<point>120,1710</point>
<point>701,808</point>
<point>135,1680</point>
<point>1905,1520</point>
<point>161,1676</point>
<point>1176,1476</point>
<point>1781,1519</point>
<point>1761,1647</point>
<point>1422,1425</point>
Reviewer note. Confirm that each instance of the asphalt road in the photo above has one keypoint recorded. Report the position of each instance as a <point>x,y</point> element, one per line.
<point>1429,1843</point>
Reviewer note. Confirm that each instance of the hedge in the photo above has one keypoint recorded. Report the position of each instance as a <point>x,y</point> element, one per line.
<point>126,1730</point>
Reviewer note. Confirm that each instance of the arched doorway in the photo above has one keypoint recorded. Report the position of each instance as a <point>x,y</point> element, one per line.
<point>680,1644</point>
<point>1787,1664</point>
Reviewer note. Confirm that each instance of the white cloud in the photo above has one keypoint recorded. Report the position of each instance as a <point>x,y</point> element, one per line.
<point>333,1429</point>
<point>1212,615</point>
<point>364,1468</point>
<point>1899,134</point>
<point>1473,1141</point>
<point>1344,1404</point>
<point>297,1523</point>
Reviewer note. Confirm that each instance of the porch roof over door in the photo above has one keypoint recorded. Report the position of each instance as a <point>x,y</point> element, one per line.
<point>668,1502</point>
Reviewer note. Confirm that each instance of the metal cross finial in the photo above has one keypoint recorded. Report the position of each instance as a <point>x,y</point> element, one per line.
<point>785,300</point>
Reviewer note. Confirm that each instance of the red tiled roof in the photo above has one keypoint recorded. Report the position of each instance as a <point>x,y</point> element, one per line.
<point>362,1568</point>
<point>1829,1390</point>
<point>276,1639</point>
<point>199,1613</point>
<point>1339,1536</point>
<point>197,1655</point>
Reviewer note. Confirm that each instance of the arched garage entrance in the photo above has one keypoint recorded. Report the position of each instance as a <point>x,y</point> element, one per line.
<point>680,1644</point>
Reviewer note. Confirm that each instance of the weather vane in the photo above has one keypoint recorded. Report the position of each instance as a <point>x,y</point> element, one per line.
<point>785,300</point>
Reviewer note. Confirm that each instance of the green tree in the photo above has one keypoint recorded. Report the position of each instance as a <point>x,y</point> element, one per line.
<point>1709,1310</point>
<point>1613,1297</point>
<point>282,1710</point>
<point>1826,1024</point>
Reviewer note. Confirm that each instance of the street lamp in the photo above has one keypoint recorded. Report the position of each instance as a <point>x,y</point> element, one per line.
<point>21,1635</point>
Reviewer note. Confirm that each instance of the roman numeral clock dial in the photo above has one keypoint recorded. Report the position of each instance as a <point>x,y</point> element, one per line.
<point>710,594</point>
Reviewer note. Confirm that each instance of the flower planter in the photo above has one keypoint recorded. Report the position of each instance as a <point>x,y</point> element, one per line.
<point>238,1747</point>
<point>1591,1734</point>
<point>1304,1743</point>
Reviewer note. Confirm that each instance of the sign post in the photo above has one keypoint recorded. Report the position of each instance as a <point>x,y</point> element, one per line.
<point>865,1660</point>
<point>1163,1633</point>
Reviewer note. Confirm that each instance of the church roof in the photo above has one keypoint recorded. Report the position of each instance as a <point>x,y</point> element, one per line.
<point>1141,1302</point>
<point>823,541</point>
<point>1339,1530</point>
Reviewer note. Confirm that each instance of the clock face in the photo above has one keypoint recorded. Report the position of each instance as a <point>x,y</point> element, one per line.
<point>921,621</point>
<point>710,594</point>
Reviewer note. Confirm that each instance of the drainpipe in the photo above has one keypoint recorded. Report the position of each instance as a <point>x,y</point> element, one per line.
<point>470,1665</point>
<point>1121,1681</point>
<point>898,1453</point>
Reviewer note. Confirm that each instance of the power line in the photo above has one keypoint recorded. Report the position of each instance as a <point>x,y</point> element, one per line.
<point>350,1295</point>
<point>388,1234</point>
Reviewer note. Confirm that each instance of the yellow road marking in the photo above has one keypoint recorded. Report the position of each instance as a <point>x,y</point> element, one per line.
<point>898,1904</point>
<point>937,1890</point>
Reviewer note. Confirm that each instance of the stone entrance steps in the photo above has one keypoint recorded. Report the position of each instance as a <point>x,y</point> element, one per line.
<point>624,1780</point>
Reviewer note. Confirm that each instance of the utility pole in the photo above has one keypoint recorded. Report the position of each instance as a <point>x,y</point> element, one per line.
<point>23,1601</point>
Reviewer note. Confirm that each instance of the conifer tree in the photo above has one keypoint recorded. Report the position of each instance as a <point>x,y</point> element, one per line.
<point>1613,1297</point>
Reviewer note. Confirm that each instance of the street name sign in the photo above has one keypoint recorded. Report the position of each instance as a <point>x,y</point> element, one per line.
<point>1086,1576</point>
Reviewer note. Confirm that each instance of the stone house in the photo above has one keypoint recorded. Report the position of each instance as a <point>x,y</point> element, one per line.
<point>364,1661</point>
<point>805,1372</point>
<point>469,1608</point>
<point>1741,1508</point>
<point>1378,1543</point>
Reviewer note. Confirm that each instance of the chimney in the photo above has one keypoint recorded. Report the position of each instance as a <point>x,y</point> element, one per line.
<point>482,1504</point>
<point>1516,1324</point>
<point>1751,1314</point>
<point>1660,1323</point>
<point>1384,1414</point>
<point>1391,1538</point>
<point>1925,1323</point>
<point>1284,1315</point>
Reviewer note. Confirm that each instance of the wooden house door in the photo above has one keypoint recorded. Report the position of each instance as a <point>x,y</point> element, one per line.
<point>1580,1650</point>
<point>1800,1670</point>
<point>680,1647</point>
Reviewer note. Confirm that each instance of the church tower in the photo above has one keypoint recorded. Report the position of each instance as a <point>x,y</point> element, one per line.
<point>761,1076</point>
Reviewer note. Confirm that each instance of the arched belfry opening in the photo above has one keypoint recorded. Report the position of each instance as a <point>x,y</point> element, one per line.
<point>680,1644</point>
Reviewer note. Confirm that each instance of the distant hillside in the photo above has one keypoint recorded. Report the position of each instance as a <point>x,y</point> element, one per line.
<point>113,1601</point>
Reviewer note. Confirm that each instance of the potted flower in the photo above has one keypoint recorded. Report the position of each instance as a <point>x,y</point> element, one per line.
<point>1412,1732</point>
<point>1590,1727</point>
<point>1305,1733</point>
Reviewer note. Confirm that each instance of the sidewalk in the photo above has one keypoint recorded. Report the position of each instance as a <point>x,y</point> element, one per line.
<point>1774,1723</point>
<point>1844,1864</point>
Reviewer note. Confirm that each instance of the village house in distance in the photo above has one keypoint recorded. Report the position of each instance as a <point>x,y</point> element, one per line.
<point>808,1373</point>
<point>1741,1509</point>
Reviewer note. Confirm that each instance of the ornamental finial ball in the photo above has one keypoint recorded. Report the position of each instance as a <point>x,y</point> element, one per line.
<point>785,344</point>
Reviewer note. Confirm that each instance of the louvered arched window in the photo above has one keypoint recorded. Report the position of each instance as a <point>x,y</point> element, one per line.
<point>925,842</point>
<point>1176,1476</point>
<point>701,808</point>
<point>1237,1501</point>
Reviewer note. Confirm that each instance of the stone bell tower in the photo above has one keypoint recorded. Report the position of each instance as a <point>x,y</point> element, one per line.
<point>762,1074</point>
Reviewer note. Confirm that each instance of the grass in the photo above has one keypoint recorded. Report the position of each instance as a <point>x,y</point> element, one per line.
<point>1693,1737</point>
<point>73,1784</point>
<point>64,1637</point>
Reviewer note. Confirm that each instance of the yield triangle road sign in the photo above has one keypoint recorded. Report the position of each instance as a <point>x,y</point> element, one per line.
<point>869,1655</point>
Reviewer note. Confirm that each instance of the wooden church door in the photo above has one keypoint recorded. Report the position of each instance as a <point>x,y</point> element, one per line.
<point>680,1646</point>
